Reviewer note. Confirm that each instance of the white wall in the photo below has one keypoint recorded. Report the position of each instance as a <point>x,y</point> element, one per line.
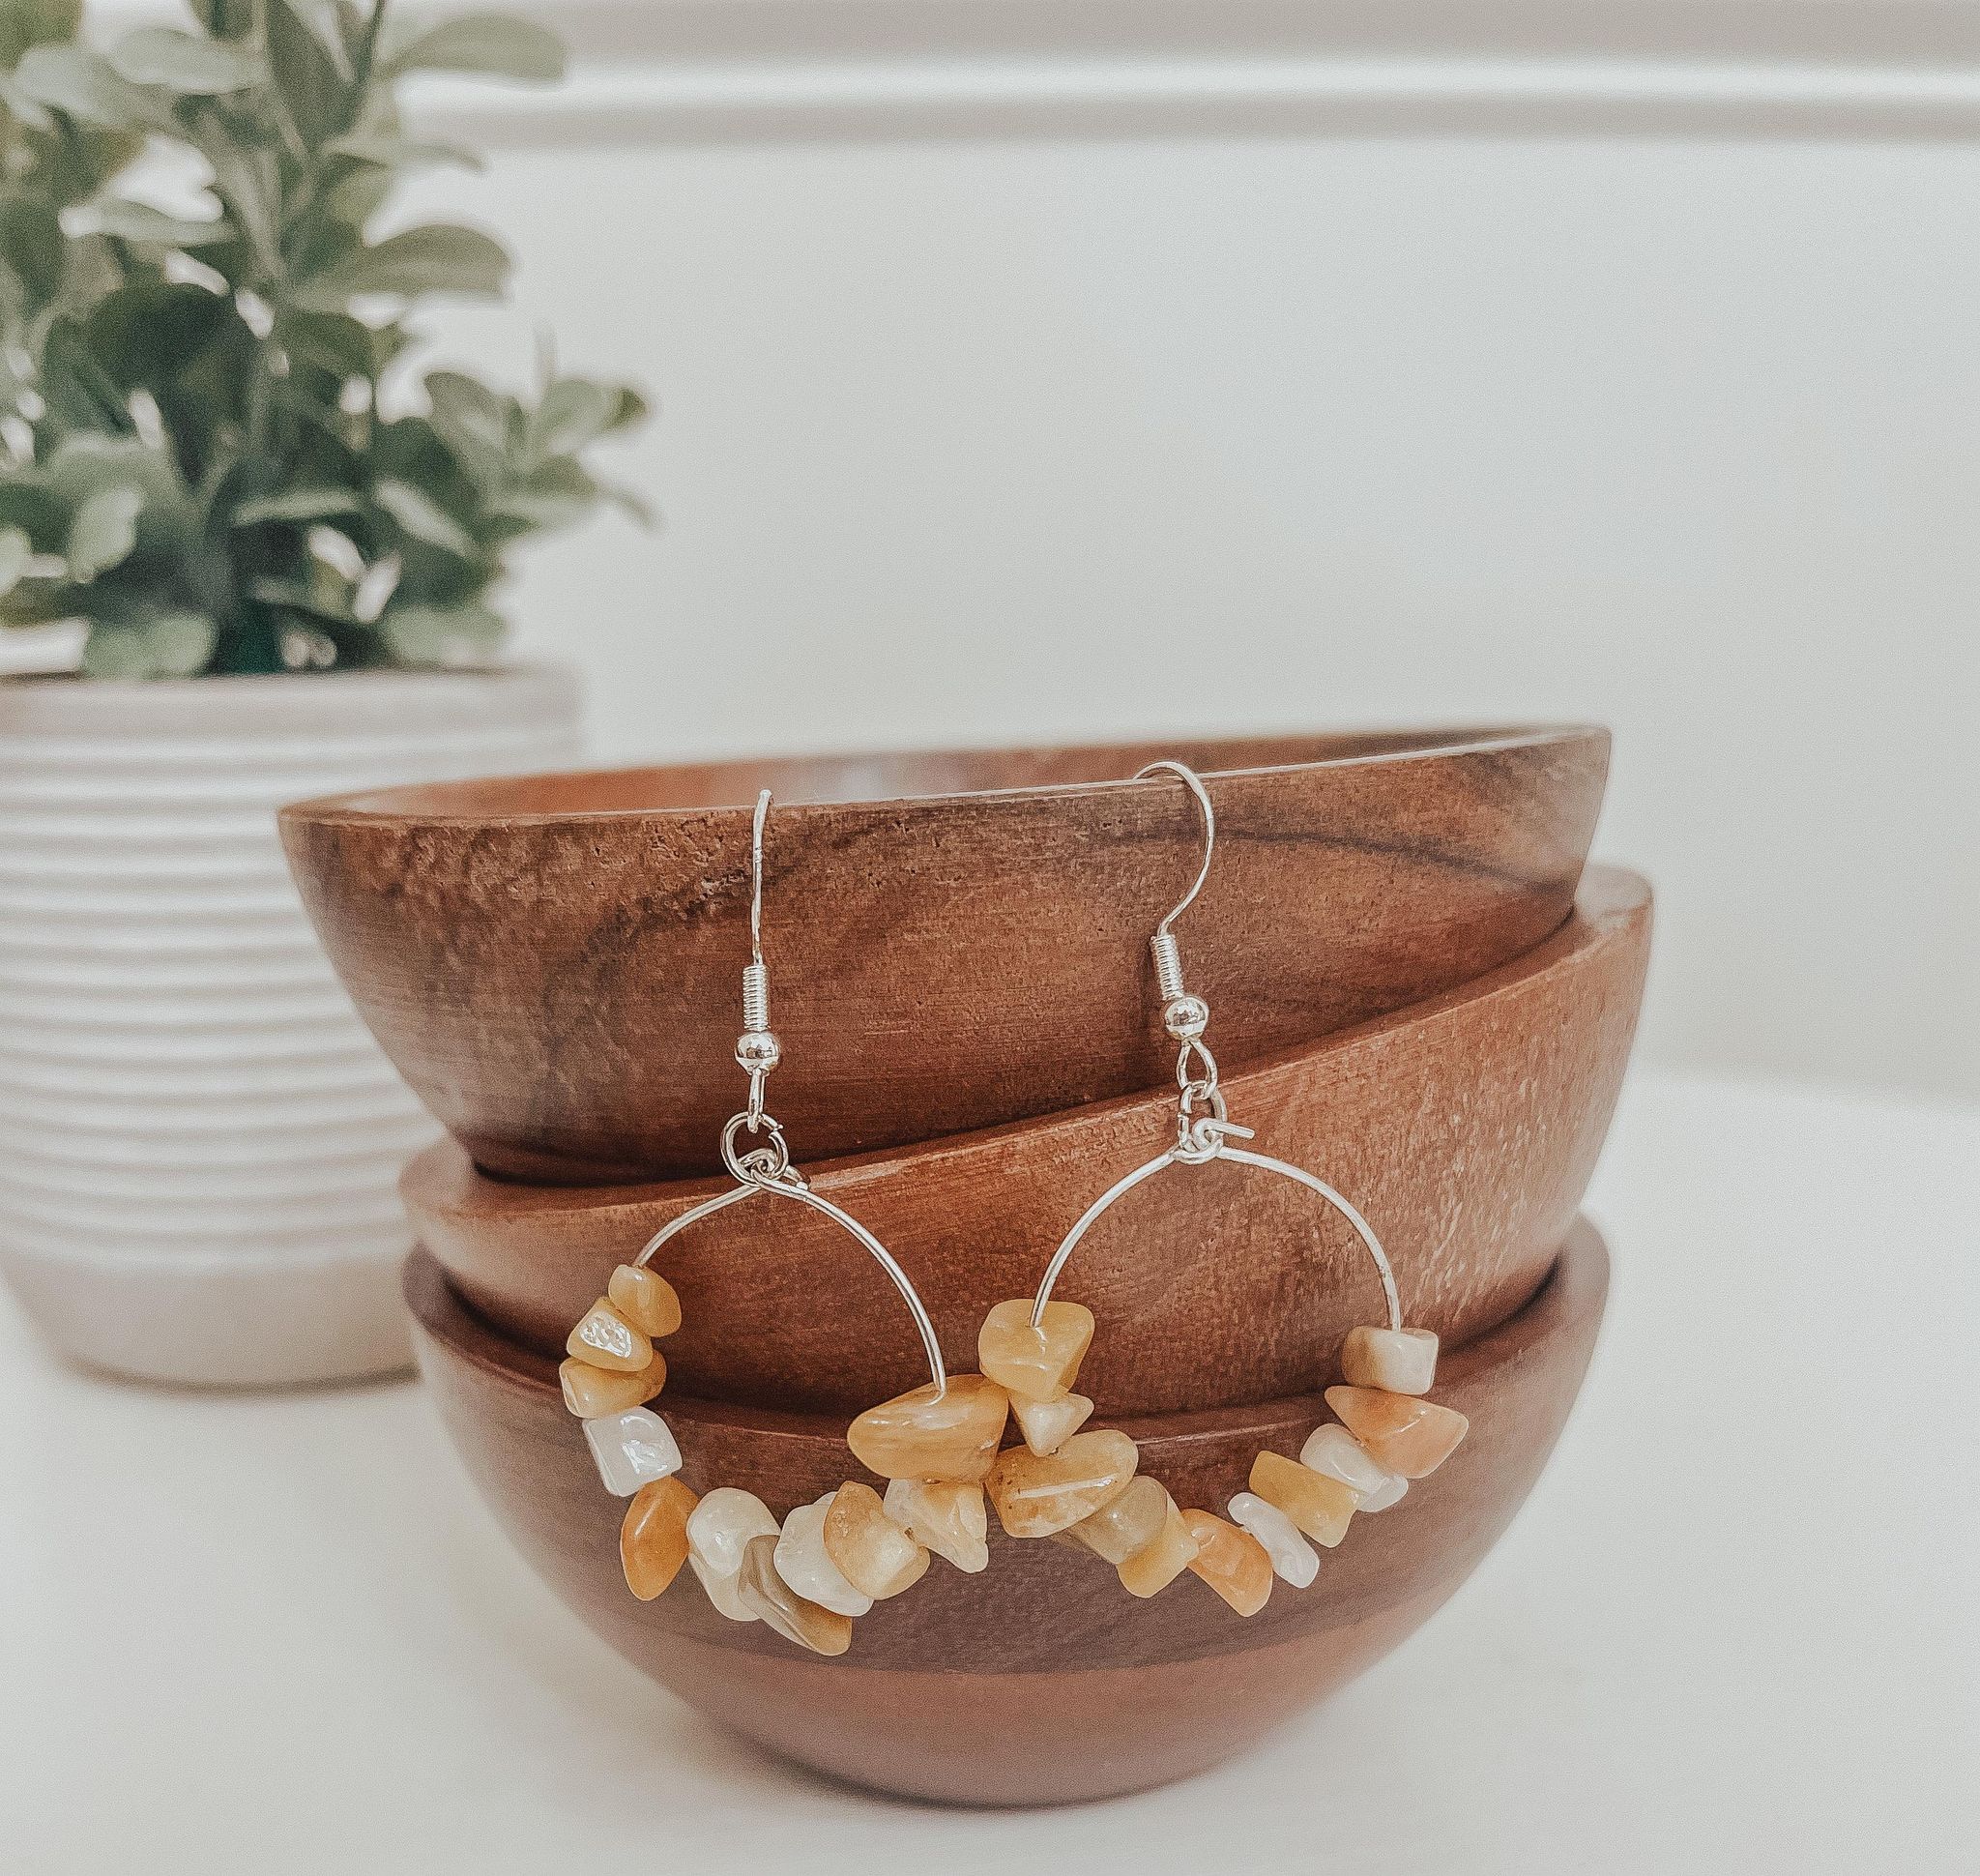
<point>1116,371</point>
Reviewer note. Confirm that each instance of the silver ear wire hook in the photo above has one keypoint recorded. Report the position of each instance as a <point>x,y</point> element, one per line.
<point>757,1049</point>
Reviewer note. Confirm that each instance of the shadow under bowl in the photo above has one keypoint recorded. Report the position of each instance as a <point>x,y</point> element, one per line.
<point>955,941</point>
<point>1039,1680</point>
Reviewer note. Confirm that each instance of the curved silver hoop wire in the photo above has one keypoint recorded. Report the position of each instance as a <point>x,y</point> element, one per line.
<point>1180,1155</point>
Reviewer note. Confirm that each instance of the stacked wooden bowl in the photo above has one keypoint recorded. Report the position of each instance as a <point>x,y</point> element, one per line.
<point>1416,991</point>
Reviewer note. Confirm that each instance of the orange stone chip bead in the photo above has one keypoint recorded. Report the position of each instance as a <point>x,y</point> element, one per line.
<point>1157,1564</point>
<point>607,1341</point>
<point>1127,1523</point>
<point>764,1593</point>
<point>1409,1436</point>
<point>1036,1494</point>
<point>1038,1363</point>
<point>645,1299</point>
<point>1232,1561</point>
<point>1319,1506</point>
<point>925,1434</point>
<point>867,1547</point>
<point>652,1541</point>
<point>592,1394</point>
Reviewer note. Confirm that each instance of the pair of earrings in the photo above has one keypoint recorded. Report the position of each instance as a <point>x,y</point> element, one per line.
<point>941,1447</point>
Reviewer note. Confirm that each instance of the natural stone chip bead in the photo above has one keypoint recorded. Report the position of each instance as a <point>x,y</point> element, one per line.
<point>1232,1561</point>
<point>948,1518</point>
<point>1409,1436</point>
<point>765,1593</point>
<point>871,1552</point>
<point>719,1529</point>
<point>1292,1557</point>
<point>1047,1424</point>
<point>591,1393</point>
<point>1037,1494</point>
<point>645,1299</point>
<point>1389,1494</point>
<point>1157,1564</point>
<point>633,1450</point>
<point>1399,1361</point>
<point>607,1341</point>
<point>804,1562</point>
<point>1038,1363</point>
<point>1125,1523</point>
<point>925,1434</point>
<point>1334,1450</point>
<point>1321,1507</point>
<point>652,1541</point>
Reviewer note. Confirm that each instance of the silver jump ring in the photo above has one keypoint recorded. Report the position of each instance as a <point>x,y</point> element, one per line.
<point>761,1165</point>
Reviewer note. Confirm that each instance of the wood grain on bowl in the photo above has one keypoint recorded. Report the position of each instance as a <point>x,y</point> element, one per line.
<point>955,941</point>
<point>1466,1127</point>
<point>1038,1680</point>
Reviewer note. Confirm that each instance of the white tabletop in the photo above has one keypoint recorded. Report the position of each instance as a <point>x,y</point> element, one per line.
<point>1733,1630</point>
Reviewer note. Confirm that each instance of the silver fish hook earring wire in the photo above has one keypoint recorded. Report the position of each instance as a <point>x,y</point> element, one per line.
<point>1384,1436</point>
<point>808,1575</point>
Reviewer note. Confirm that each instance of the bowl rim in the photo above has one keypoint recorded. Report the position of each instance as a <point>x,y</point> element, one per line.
<point>425,804</point>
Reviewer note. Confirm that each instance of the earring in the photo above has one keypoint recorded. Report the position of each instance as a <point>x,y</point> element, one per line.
<point>833,1559</point>
<point>1082,1487</point>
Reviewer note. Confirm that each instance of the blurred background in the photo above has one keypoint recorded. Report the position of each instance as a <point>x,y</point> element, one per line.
<point>1116,367</point>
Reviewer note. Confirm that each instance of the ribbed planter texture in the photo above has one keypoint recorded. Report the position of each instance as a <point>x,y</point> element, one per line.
<point>198,1139</point>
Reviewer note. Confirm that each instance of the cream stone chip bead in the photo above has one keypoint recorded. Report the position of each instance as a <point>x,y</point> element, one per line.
<point>1232,1561</point>
<point>1392,1493</point>
<point>1036,1495</point>
<point>804,1562</point>
<point>1408,1436</point>
<point>950,1432</point>
<point>948,1518</point>
<point>1047,1424</point>
<point>1034,1364</point>
<point>631,1450</point>
<point>1158,1563</point>
<point>591,1393</point>
<point>871,1552</point>
<point>1321,1507</point>
<point>1335,1451</point>
<point>653,1540</point>
<point>645,1299</point>
<point>1397,1361</point>
<point>765,1595</point>
<point>719,1529</point>
<point>1124,1524</point>
<point>605,1339</point>
<point>1293,1559</point>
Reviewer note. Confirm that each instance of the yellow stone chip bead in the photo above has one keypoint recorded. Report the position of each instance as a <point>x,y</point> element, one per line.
<point>1232,1561</point>
<point>765,1593</point>
<point>948,1434</point>
<point>867,1547</point>
<point>949,1520</point>
<point>1409,1437</point>
<point>1157,1564</point>
<point>1038,1363</point>
<point>1398,1361</point>
<point>1036,1494</point>
<point>1124,1524</point>
<point>591,1394</point>
<point>607,1341</point>
<point>645,1299</point>
<point>1319,1506</point>
<point>652,1541</point>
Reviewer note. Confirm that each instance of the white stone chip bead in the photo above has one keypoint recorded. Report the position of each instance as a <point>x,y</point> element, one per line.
<point>1336,1453</point>
<point>802,1563</point>
<point>1295,1560</point>
<point>633,1450</point>
<point>1047,1424</point>
<point>718,1530</point>
<point>1389,1494</point>
<point>1398,1361</point>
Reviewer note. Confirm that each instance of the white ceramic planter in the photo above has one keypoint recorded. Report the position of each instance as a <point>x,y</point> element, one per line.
<point>199,1142</point>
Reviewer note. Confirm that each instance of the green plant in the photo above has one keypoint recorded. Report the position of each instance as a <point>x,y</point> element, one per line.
<point>193,457</point>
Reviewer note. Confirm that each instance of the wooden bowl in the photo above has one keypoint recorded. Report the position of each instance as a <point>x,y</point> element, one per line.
<point>554,962</point>
<point>1466,1128</point>
<point>1039,1680</point>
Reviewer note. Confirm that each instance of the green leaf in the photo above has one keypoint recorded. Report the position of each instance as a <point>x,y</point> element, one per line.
<point>423,518</point>
<point>496,45</point>
<point>103,532</point>
<point>74,79</point>
<point>438,258</point>
<point>452,635</point>
<point>31,246</point>
<point>166,645</point>
<point>553,495</point>
<point>140,221</point>
<point>16,552</point>
<point>311,73</point>
<point>183,62</point>
<point>225,18</point>
<point>36,22</point>
<point>574,412</point>
<point>245,177</point>
<point>298,505</point>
